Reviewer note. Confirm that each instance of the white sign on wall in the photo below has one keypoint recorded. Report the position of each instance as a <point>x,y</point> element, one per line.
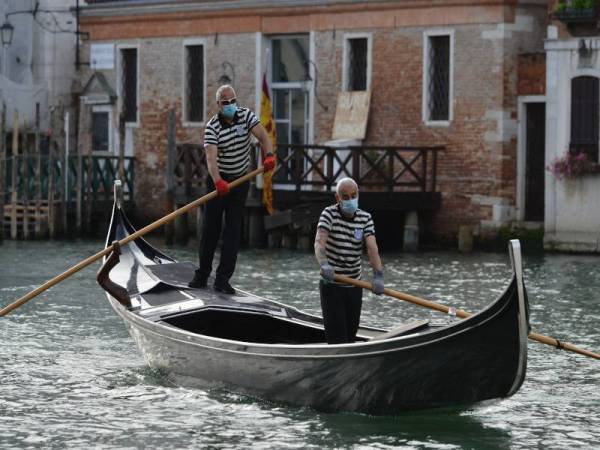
<point>102,56</point>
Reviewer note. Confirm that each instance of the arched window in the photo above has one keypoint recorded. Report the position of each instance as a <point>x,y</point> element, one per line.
<point>585,115</point>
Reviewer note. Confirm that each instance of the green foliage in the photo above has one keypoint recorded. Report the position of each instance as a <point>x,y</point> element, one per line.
<point>582,4</point>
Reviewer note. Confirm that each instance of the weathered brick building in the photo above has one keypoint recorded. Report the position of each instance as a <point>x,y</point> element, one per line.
<point>441,72</point>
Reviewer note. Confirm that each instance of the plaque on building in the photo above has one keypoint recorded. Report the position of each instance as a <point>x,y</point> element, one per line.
<point>351,114</point>
<point>102,56</point>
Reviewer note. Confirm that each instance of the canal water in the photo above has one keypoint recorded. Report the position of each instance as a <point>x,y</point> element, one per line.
<point>71,377</point>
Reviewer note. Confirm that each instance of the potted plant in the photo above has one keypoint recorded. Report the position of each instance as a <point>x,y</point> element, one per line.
<point>572,164</point>
<point>570,11</point>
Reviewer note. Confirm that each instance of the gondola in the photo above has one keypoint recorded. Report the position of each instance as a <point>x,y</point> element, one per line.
<point>264,349</point>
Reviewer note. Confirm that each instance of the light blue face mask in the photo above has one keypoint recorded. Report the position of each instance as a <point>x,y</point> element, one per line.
<point>349,207</point>
<point>229,111</point>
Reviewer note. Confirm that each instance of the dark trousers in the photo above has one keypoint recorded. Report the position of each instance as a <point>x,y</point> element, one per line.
<point>232,207</point>
<point>341,312</point>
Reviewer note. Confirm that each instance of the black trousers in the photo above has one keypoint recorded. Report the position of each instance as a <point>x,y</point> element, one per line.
<point>341,312</point>
<point>232,207</point>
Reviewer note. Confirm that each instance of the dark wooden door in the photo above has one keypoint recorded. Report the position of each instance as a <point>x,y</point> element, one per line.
<point>534,161</point>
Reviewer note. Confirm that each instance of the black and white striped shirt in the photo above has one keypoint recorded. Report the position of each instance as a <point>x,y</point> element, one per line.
<point>232,141</point>
<point>344,245</point>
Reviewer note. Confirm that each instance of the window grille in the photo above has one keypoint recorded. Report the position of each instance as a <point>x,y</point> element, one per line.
<point>129,84</point>
<point>357,64</point>
<point>195,83</point>
<point>439,78</point>
<point>585,98</point>
<point>100,132</point>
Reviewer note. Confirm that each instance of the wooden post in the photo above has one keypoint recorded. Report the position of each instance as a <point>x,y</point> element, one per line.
<point>122,148</point>
<point>25,145</point>
<point>38,175</point>
<point>65,179</point>
<point>51,188</point>
<point>15,168</point>
<point>170,176</point>
<point>2,168</point>
<point>79,198</point>
<point>90,197</point>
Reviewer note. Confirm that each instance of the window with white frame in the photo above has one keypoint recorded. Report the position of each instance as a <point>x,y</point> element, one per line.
<point>101,129</point>
<point>357,62</point>
<point>437,77</point>
<point>129,84</point>
<point>193,95</point>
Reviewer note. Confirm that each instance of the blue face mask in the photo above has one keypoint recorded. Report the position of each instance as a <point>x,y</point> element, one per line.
<point>349,207</point>
<point>229,111</point>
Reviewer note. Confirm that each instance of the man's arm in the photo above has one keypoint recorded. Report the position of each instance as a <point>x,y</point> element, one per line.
<point>327,270</point>
<point>373,252</point>
<point>263,137</point>
<point>320,242</point>
<point>211,162</point>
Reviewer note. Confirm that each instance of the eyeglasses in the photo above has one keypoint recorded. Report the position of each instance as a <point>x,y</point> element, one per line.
<point>231,101</point>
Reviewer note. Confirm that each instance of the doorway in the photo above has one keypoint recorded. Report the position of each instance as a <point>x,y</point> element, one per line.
<point>535,145</point>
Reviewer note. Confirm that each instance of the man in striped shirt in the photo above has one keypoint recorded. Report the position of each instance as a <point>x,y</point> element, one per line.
<point>342,230</point>
<point>227,144</point>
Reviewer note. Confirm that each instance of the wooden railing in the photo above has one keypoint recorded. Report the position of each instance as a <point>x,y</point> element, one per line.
<point>381,168</point>
<point>97,177</point>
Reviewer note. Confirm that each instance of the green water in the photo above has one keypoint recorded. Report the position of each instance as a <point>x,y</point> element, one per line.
<point>71,377</point>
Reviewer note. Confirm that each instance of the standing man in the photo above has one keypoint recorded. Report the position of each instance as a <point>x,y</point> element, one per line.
<point>227,145</point>
<point>341,232</point>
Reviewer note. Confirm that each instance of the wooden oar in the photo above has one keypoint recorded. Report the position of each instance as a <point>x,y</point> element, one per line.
<point>86,262</point>
<point>463,314</point>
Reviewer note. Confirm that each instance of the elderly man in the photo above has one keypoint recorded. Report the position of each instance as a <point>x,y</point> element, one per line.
<point>227,144</point>
<point>341,232</point>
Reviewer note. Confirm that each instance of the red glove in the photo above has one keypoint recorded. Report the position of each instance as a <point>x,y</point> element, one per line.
<point>222,187</point>
<point>269,162</point>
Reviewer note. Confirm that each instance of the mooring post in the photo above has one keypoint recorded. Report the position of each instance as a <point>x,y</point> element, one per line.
<point>79,194</point>
<point>51,208</point>
<point>38,175</point>
<point>25,181</point>
<point>2,168</point>
<point>411,232</point>
<point>14,170</point>
<point>170,178</point>
<point>65,165</point>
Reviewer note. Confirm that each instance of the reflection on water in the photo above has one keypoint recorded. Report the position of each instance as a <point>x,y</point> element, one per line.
<point>72,377</point>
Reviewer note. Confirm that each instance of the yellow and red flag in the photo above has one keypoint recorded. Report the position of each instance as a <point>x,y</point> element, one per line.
<point>266,119</point>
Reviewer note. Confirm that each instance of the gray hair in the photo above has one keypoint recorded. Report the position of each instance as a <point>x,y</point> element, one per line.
<point>343,182</point>
<point>225,87</point>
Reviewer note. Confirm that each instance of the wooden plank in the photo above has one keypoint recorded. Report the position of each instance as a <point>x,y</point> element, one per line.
<point>351,115</point>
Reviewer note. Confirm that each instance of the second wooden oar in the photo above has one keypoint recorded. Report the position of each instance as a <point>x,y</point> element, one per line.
<point>463,314</point>
<point>86,262</point>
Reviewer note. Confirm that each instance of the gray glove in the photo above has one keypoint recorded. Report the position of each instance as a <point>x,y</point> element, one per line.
<point>377,282</point>
<point>327,271</point>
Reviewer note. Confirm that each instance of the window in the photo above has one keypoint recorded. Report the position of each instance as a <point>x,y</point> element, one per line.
<point>290,59</point>
<point>129,81</point>
<point>585,98</point>
<point>101,129</point>
<point>437,78</point>
<point>194,83</point>
<point>356,64</point>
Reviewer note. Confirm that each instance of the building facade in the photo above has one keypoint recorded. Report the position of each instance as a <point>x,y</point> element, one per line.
<point>572,219</point>
<point>450,73</point>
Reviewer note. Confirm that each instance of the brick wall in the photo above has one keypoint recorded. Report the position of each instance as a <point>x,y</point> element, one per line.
<point>478,169</point>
